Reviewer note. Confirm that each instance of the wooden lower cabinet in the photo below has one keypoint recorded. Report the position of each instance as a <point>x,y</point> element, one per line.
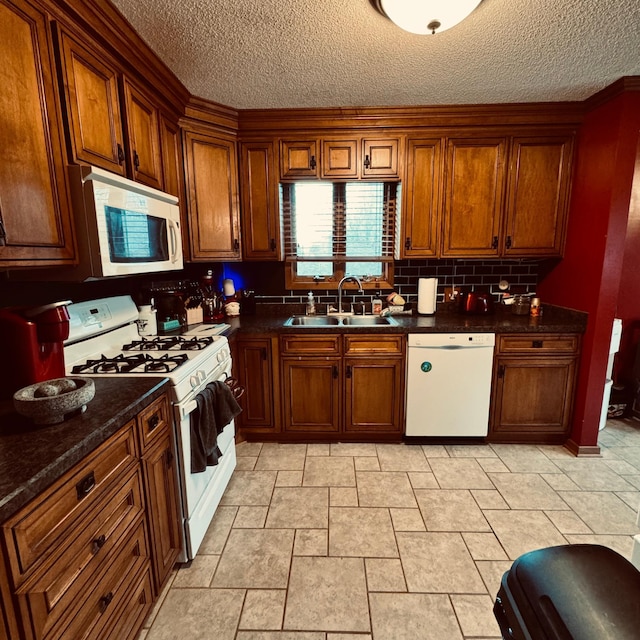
<point>533,387</point>
<point>254,358</point>
<point>86,558</point>
<point>343,386</point>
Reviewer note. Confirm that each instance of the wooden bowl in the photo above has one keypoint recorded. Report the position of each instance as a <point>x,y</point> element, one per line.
<point>48,402</point>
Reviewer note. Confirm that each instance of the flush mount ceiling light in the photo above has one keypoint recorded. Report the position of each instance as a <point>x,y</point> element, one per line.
<point>426,16</point>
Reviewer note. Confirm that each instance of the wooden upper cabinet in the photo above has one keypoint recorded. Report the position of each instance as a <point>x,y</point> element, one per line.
<point>473,193</point>
<point>299,159</point>
<point>35,207</point>
<point>93,106</point>
<point>171,157</point>
<point>380,158</point>
<point>212,197</point>
<point>537,199</point>
<point>340,159</point>
<point>421,202</point>
<point>259,201</point>
<point>143,132</point>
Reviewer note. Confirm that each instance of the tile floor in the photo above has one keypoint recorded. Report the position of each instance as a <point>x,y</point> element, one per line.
<point>390,542</point>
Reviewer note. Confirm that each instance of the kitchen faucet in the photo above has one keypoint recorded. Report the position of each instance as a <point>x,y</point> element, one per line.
<point>355,279</point>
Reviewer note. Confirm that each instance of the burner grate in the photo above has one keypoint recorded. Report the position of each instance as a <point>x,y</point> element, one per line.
<point>169,343</point>
<point>128,363</point>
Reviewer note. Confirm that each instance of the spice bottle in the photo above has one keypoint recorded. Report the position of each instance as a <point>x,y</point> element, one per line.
<point>535,307</point>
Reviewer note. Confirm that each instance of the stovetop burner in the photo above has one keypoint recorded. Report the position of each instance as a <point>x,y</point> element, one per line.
<point>122,363</point>
<point>169,343</point>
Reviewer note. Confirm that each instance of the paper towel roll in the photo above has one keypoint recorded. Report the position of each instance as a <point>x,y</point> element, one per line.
<point>427,291</point>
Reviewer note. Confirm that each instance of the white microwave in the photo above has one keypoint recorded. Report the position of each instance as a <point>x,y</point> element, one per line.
<point>123,227</point>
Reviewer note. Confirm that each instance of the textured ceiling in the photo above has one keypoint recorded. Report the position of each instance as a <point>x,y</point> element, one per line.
<point>253,54</point>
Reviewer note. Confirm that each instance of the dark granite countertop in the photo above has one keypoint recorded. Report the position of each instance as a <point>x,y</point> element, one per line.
<point>553,320</point>
<point>32,458</point>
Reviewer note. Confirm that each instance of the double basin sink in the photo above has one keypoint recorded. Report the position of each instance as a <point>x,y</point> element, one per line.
<point>338,321</point>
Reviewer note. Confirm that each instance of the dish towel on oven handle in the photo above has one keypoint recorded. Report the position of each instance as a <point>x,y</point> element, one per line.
<point>216,408</point>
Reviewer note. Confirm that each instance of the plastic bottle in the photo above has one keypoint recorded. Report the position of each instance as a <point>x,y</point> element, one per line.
<point>147,322</point>
<point>311,304</point>
<point>376,306</point>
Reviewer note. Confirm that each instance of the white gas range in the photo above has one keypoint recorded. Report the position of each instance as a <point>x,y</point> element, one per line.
<point>104,341</point>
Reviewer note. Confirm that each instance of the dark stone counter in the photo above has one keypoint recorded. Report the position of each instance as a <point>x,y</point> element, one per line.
<point>32,458</point>
<point>553,320</point>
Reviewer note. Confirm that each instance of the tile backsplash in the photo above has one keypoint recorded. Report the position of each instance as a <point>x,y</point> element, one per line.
<point>267,280</point>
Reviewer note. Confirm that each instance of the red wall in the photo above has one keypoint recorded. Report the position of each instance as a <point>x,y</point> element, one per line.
<point>590,275</point>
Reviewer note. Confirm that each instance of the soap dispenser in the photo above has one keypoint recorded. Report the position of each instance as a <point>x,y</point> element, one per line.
<point>311,304</point>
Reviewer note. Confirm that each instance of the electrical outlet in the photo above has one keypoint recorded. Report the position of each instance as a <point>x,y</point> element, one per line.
<point>451,294</point>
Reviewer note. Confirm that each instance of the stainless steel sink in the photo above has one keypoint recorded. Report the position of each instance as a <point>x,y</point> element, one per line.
<point>312,321</point>
<point>368,321</point>
<point>339,321</point>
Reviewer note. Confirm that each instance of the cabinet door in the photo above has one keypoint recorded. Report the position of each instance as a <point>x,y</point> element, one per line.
<point>340,159</point>
<point>532,397</point>
<point>143,131</point>
<point>35,208</point>
<point>163,506</point>
<point>212,187</point>
<point>473,194</point>
<point>92,107</point>
<point>421,201</point>
<point>299,159</point>
<point>311,394</point>
<point>255,373</point>
<point>260,212</point>
<point>374,394</point>
<point>537,200</point>
<point>380,158</point>
<point>8,622</point>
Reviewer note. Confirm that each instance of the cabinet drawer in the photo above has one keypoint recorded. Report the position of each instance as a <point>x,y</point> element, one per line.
<point>538,343</point>
<point>49,518</point>
<point>50,594</point>
<point>107,593</point>
<point>153,421</point>
<point>128,619</point>
<point>310,345</point>
<point>365,345</point>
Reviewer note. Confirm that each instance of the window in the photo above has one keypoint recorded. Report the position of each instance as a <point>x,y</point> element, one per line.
<point>337,229</point>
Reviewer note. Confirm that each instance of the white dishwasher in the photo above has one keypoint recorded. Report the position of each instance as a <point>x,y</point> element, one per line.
<point>449,384</point>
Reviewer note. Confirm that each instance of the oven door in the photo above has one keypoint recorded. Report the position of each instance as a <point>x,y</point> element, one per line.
<point>201,492</point>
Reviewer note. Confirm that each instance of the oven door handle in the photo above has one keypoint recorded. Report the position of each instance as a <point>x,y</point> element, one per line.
<point>187,408</point>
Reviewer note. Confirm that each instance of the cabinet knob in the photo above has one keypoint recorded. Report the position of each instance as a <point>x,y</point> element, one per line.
<point>407,243</point>
<point>508,242</point>
<point>335,371</point>
<point>136,160</point>
<point>236,244</point>
<point>312,163</point>
<point>348,371</point>
<point>367,162</point>
<point>97,544</point>
<point>537,344</point>
<point>105,601</point>
<point>494,242</point>
<point>501,370</point>
<point>169,458</point>
<point>273,244</point>
<point>3,234</point>
<point>120,154</point>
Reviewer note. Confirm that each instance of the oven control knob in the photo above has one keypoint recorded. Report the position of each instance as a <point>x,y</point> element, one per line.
<point>220,356</point>
<point>194,381</point>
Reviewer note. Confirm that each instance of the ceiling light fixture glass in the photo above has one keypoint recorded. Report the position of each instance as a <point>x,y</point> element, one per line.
<point>426,16</point>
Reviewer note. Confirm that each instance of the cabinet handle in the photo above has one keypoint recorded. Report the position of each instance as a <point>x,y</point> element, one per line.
<point>153,422</point>
<point>236,244</point>
<point>136,160</point>
<point>312,164</point>
<point>273,244</point>
<point>407,243</point>
<point>105,601</point>
<point>169,458</point>
<point>367,162</point>
<point>508,242</point>
<point>3,233</point>
<point>501,370</point>
<point>348,371</point>
<point>494,242</point>
<point>97,544</point>
<point>84,487</point>
<point>263,353</point>
<point>120,154</point>
<point>335,371</point>
<point>537,344</point>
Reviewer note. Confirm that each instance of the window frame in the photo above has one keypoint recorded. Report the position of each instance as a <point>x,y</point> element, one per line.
<point>293,281</point>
